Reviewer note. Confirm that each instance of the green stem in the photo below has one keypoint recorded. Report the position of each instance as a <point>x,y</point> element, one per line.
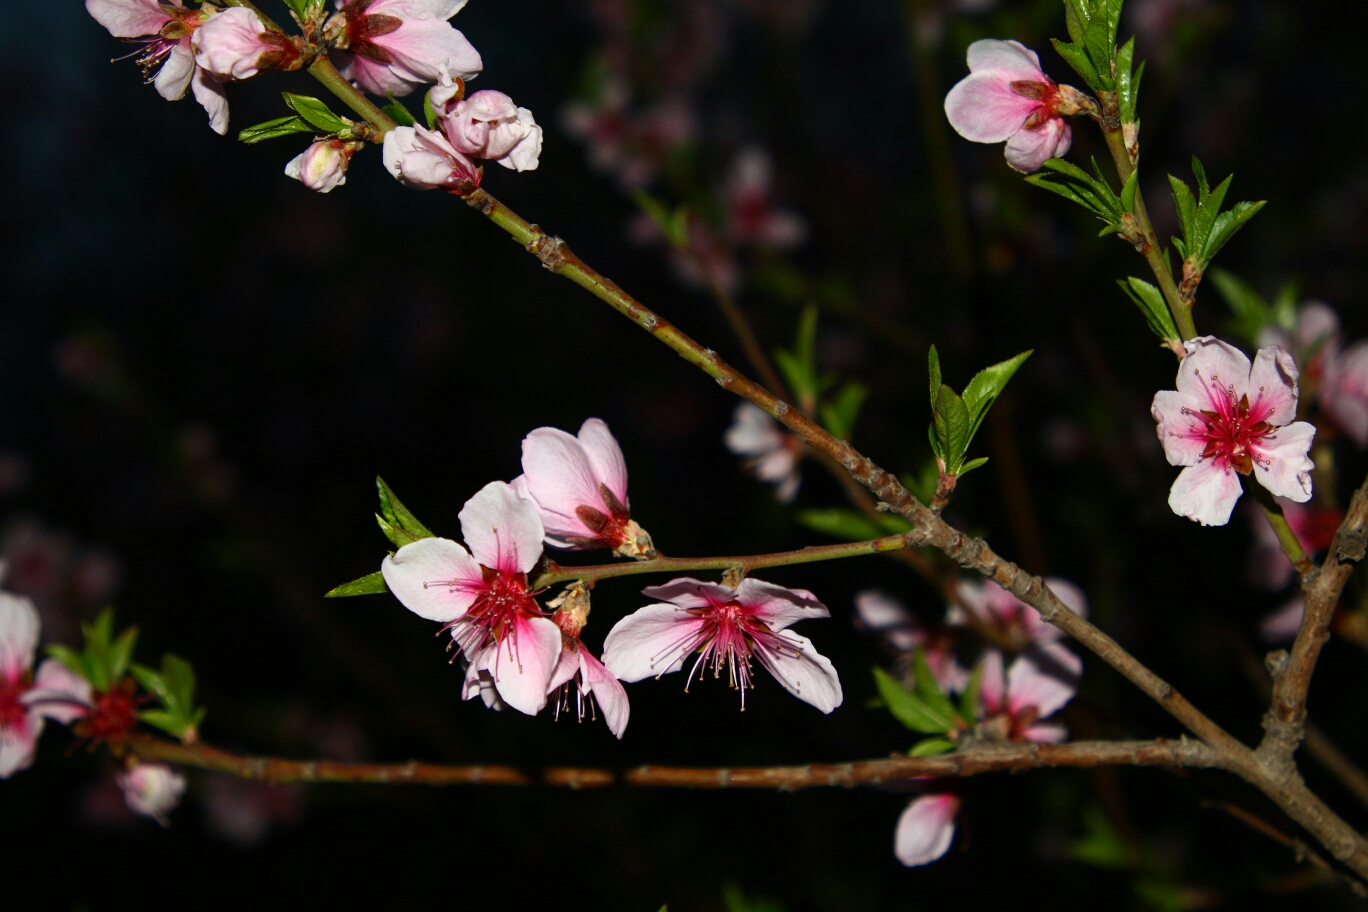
<point>323,70</point>
<point>1153,253</point>
<point>1287,539</point>
<point>554,573</point>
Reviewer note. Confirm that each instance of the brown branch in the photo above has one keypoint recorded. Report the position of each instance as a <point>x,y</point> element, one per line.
<point>1285,721</point>
<point>972,762</point>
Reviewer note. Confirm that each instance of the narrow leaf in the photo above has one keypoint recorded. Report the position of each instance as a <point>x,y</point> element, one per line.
<point>120,651</point>
<point>928,688</point>
<point>838,415</point>
<point>271,129</point>
<point>971,465</point>
<point>1227,223</point>
<point>908,708</point>
<point>370,584</point>
<point>315,112</point>
<point>933,368</point>
<point>429,114</point>
<point>398,514</point>
<point>987,385</point>
<point>969,700</point>
<point>400,114</point>
<point>1152,305</point>
<point>932,747</point>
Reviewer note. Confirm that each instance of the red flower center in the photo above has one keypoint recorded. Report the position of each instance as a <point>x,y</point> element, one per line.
<point>495,612</point>
<point>13,714</point>
<point>1233,431</point>
<point>114,715</point>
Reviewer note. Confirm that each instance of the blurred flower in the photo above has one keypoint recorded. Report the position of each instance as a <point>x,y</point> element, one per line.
<point>772,452</point>
<point>25,700</point>
<point>926,828</point>
<point>750,217</point>
<point>1210,426</point>
<point>243,813</point>
<point>425,160</point>
<point>1314,337</point>
<point>152,790</point>
<point>396,46</point>
<point>166,31</point>
<point>1038,684</point>
<point>489,125</point>
<point>996,608</point>
<point>726,627</point>
<point>323,166</point>
<point>1314,527</point>
<point>630,145</point>
<point>1006,96</point>
<point>579,486</point>
<point>235,44</point>
<point>62,579</point>
<point>878,613</point>
<point>1344,391</point>
<point>1282,625</point>
<point>483,599</point>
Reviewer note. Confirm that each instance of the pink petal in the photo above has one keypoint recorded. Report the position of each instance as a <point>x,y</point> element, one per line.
<point>691,593</point>
<point>1273,387</point>
<point>1317,323</point>
<point>421,46</point>
<point>1205,493</point>
<point>128,18</point>
<point>650,642</point>
<point>417,9</point>
<point>502,529</point>
<point>1180,432</point>
<point>434,578</point>
<point>887,616</point>
<point>808,675</point>
<point>19,628</point>
<point>1049,733</point>
<point>778,606</point>
<point>567,666</point>
<point>209,93</point>
<point>1344,391</point>
<point>1042,632</point>
<point>610,695</point>
<point>1012,58</point>
<point>605,456</point>
<point>1027,150</point>
<point>992,683</point>
<point>523,663</point>
<point>1210,366</point>
<point>173,78</point>
<point>1045,677</point>
<point>1284,624</point>
<point>983,108</point>
<point>372,76</point>
<point>58,693</point>
<point>560,477</point>
<point>1283,466</point>
<point>526,152</point>
<point>18,745</point>
<point>925,829</point>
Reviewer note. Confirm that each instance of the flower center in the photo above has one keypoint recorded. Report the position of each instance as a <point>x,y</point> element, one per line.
<point>1232,431</point>
<point>13,714</point>
<point>731,636</point>
<point>114,714</point>
<point>495,611</point>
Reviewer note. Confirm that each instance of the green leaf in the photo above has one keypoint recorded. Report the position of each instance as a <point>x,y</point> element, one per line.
<point>928,688</point>
<point>1076,17</point>
<point>910,709</point>
<point>1151,302</point>
<point>180,678</point>
<point>400,114</point>
<point>429,114</point>
<point>969,700</point>
<point>1229,222</point>
<point>1250,310</point>
<point>315,112</point>
<point>932,747</point>
<point>1091,191</point>
<point>799,366</point>
<point>1206,229</point>
<point>69,657</point>
<point>933,368</point>
<point>971,465</point>
<point>851,525</point>
<point>986,386</point>
<point>370,584</point>
<point>271,129</point>
<point>1128,190</point>
<point>1127,84</point>
<point>1077,58</point>
<point>298,7</point>
<point>952,422</point>
<point>397,515</point>
<point>174,688</point>
<point>838,415</point>
<point>1101,845</point>
<point>120,651</point>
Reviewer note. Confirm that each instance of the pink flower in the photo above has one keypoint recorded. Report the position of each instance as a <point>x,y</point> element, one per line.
<point>1006,96</point>
<point>1314,527</point>
<point>1282,625</point>
<point>25,700</point>
<point>425,160</point>
<point>772,453</point>
<point>579,485</point>
<point>1315,334</point>
<point>926,829</point>
<point>489,125</point>
<point>1037,685</point>
<point>1344,391</point>
<point>726,627</point>
<point>593,684</point>
<point>243,812</point>
<point>481,595</point>
<point>997,608</point>
<point>1211,426</point>
<point>322,166</point>
<point>751,218</point>
<point>879,613</point>
<point>152,789</point>
<point>235,44</point>
<point>398,45</point>
<point>166,30</point>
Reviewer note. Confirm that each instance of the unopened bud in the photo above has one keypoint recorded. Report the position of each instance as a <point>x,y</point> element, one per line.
<point>323,165</point>
<point>572,609</point>
<point>636,542</point>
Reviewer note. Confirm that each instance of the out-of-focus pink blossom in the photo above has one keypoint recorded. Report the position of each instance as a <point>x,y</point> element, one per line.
<point>243,813</point>
<point>1006,96</point>
<point>235,44</point>
<point>995,607</point>
<point>166,31</point>
<point>396,46</point>
<point>727,628</point>
<point>628,144</point>
<point>323,166</point>
<point>62,578</point>
<point>926,829</point>
<point>1038,684</point>
<point>489,125</point>
<point>152,790</point>
<point>879,613</point>
<point>481,596</point>
<point>771,452</point>
<point>1230,418</point>
<point>1344,391</point>
<point>1313,525</point>
<point>1315,334</point>
<point>750,216</point>
<point>1282,625</point>
<point>27,700</point>
<point>425,160</point>
<point>579,485</point>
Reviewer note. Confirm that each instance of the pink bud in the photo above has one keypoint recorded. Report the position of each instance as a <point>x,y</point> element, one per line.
<point>234,44</point>
<point>489,125</point>
<point>322,166</point>
<point>425,160</point>
<point>153,790</point>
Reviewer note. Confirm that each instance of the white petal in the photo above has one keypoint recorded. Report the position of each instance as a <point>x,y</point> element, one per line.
<point>887,616</point>
<point>1284,466</point>
<point>17,748</point>
<point>19,628</point>
<point>1210,367</point>
<point>434,578</point>
<point>925,829</point>
<point>1205,493</point>
<point>1010,57</point>
<point>209,93</point>
<point>650,642</point>
<point>809,675</point>
<point>502,529</point>
<point>1045,677</point>
<point>610,695</point>
<point>174,76</point>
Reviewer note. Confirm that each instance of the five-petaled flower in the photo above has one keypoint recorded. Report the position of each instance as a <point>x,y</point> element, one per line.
<point>1038,684</point>
<point>579,485</point>
<point>166,30</point>
<point>482,598</point>
<point>152,790</point>
<point>396,46</point>
<point>1229,418</point>
<point>725,627</point>
<point>26,699</point>
<point>1006,96</point>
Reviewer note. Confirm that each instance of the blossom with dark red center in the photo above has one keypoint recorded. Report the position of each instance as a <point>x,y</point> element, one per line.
<point>481,596</point>
<point>1007,96</point>
<point>113,715</point>
<point>579,485</point>
<point>1038,684</point>
<point>396,46</point>
<point>1230,418</point>
<point>727,628</point>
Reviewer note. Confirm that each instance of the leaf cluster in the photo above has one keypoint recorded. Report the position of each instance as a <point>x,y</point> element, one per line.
<point>925,708</point>
<point>1091,48</point>
<point>1206,229</point>
<point>104,658</point>
<point>1091,191</point>
<point>840,410</point>
<point>174,688</point>
<point>310,116</point>
<point>400,526</point>
<point>955,418</point>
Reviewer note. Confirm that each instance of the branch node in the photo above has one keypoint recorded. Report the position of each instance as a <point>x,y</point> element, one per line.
<point>1276,663</point>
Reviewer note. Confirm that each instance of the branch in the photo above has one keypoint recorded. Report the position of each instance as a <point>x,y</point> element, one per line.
<point>972,762</point>
<point>1286,718</point>
<point>555,573</point>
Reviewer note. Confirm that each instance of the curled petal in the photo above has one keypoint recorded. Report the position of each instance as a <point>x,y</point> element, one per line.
<point>1284,466</point>
<point>58,693</point>
<point>1045,677</point>
<point>209,93</point>
<point>802,670</point>
<point>173,79</point>
<point>420,47</point>
<point>1205,493</point>
<point>1027,150</point>
<point>434,578</point>
<point>687,592</point>
<point>925,829</point>
<point>610,695</point>
<point>560,476</point>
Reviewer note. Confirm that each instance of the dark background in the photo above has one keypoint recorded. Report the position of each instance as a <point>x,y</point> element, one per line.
<point>203,366</point>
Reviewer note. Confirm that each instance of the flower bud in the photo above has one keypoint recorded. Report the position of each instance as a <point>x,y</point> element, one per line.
<point>489,125</point>
<point>323,166</point>
<point>152,789</point>
<point>235,44</point>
